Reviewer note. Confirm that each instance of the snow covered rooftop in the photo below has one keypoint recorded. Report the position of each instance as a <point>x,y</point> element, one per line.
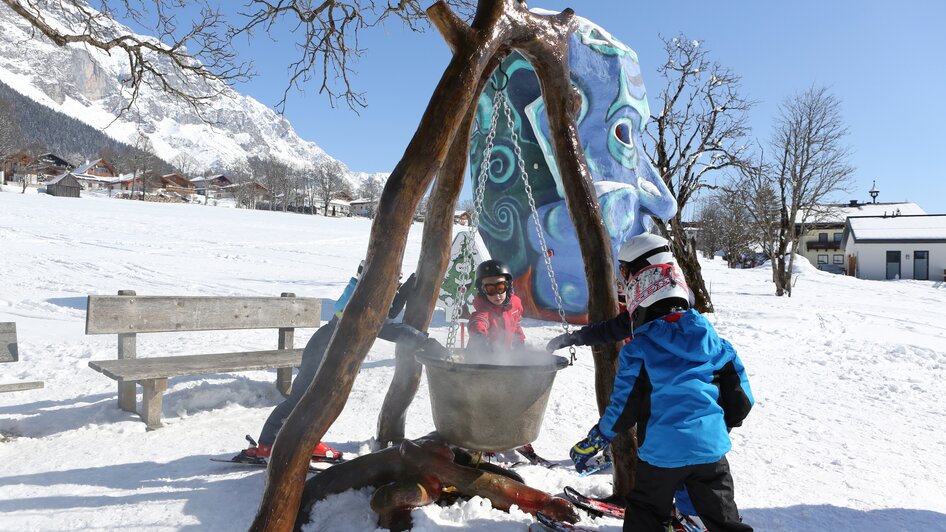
<point>927,227</point>
<point>837,213</point>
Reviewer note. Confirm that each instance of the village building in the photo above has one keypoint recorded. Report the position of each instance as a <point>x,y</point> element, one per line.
<point>896,246</point>
<point>214,182</point>
<point>248,194</point>
<point>336,207</point>
<point>178,184</point>
<point>461,218</point>
<point>18,168</point>
<point>95,174</point>
<point>50,165</point>
<point>65,185</point>
<point>363,207</point>
<point>822,240</point>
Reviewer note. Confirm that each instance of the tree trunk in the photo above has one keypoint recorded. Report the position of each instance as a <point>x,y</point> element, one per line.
<point>685,253</point>
<point>562,105</point>
<point>357,329</point>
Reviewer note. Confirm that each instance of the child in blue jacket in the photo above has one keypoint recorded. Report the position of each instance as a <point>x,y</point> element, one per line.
<point>684,387</point>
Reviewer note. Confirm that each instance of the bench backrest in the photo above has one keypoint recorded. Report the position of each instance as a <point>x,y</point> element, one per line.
<point>124,314</point>
<point>8,352</point>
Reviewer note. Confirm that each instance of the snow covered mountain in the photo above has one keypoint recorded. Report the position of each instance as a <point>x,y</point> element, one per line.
<point>86,84</point>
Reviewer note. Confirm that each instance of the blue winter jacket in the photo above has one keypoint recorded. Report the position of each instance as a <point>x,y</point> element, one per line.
<point>346,295</point>
<point>684,386</point>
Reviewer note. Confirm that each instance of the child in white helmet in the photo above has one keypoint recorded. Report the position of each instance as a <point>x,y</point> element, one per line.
<point>682,386</point>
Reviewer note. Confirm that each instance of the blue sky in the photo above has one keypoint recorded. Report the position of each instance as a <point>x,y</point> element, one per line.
<point>882,59</point>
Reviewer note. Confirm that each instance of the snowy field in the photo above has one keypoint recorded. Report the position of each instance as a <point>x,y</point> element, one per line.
<point>849,377</point>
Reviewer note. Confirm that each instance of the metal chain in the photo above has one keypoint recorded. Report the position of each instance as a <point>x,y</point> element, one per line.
<point>467,259</point>
<point>535,218</point>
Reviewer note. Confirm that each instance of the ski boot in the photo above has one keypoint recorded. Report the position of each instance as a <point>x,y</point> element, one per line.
<point>324,453</point>
<point>255,454</point>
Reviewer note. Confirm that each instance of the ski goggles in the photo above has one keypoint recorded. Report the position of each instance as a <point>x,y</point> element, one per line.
<point>493,289</point>
<point>651,280</point>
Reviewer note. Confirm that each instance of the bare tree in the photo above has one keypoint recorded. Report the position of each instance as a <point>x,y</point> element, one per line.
<point>758,197</point>
<point>329,181</point>
<point>370,190</point>
<point>195,61</point>
<point>275,176</point>
<point>725,224</point>
<point>185,164</point>
<point>809,163</point>
<point>700,129</point>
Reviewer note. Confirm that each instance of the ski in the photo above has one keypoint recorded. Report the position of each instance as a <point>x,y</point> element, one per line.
<point>600,464</point>
<point>686,523</point>
<point>312,468</point>
<point>529,454</point>
<point>593,506</point>
<point>596,507</point>
<point>548,524</point>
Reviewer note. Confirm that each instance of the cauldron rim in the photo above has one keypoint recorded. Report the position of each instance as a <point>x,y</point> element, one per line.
<point>555,363</point>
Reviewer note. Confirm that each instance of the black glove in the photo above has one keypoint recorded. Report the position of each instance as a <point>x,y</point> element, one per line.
<point>403,334</point>
<point>434,348</point>
<point>562,340</point>
<point>400,298</point>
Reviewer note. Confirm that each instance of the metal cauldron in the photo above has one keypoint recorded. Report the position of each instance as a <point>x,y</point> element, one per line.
<point>490,407</point>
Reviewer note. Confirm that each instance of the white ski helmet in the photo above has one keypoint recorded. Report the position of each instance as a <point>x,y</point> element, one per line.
<point>655,284</point>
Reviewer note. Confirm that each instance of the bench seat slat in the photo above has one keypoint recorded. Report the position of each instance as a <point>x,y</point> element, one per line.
<point>146,314</point>
<point>184,365</point>
<point>20,386</point>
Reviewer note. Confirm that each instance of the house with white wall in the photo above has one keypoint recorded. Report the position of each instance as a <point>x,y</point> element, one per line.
<point>820,238</point>
<point>896,247</point>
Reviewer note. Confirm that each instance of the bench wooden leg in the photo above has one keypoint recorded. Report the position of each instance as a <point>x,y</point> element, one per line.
<point>152,393</point>
<point>126,396</point>
<point>284,380</point>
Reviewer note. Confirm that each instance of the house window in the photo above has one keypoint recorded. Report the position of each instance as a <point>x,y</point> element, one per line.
<point>822,237</point>
<point>823,259</point>
<point>838,236</point>
<point>837,259</point>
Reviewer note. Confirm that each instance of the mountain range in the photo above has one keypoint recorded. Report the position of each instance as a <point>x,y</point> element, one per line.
<point>86,84</point>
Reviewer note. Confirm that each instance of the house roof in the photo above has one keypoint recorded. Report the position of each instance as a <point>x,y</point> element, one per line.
<point>918,228</point>
<point>836,213</point>
<point>63,179</point>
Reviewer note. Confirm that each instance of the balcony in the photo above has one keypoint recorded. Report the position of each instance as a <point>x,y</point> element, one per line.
<point>813,245</point>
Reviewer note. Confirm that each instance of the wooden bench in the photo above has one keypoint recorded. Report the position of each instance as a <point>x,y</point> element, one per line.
<point>128,314</point>
<point>10,353</point>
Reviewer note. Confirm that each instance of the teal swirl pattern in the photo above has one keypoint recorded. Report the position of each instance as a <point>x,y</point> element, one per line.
<point>611,120</point>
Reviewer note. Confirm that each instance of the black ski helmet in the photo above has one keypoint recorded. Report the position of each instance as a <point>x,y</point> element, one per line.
<point>492,268</point>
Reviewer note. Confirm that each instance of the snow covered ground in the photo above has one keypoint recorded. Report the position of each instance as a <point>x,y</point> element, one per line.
<point>847,432</point>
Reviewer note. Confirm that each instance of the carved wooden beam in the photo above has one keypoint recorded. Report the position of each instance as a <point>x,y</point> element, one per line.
<point>493,25</point>
<point>547,51</point>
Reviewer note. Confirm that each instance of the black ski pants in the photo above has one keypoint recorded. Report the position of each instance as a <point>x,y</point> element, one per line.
<point>650,504</point>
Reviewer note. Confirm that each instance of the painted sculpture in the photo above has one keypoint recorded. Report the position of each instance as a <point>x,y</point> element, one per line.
<point>613,114</point>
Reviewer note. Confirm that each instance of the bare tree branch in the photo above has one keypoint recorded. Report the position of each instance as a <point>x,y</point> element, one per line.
<point>194,60</point>
<point>700,129</point>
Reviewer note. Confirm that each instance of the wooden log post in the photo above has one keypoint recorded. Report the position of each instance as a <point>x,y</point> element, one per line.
<point>285,341</point>
<point>548,52</point>
<point>493,24</point>
<point>127,349</point>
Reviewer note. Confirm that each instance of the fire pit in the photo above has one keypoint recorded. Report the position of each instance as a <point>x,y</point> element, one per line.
<point>490,406</point>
